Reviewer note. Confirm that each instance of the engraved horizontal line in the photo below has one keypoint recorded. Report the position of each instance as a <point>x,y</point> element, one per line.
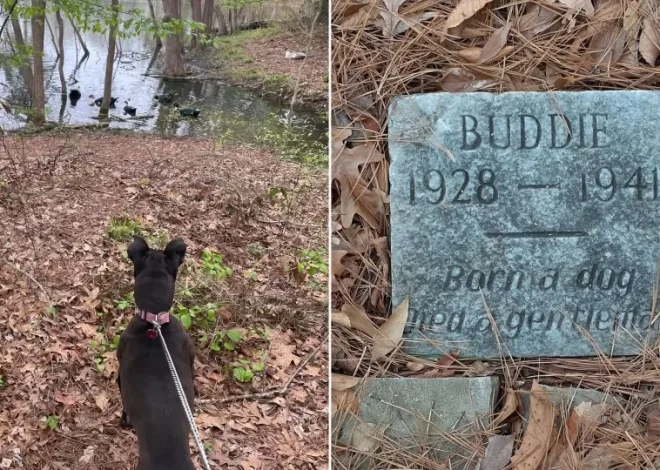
<point>537,234</point>
<point>540,186</point>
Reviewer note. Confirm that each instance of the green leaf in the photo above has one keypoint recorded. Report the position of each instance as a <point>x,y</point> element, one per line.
<point>257,367</point>
<point>243,375</point>
<point>235,336</point>
<point>186,321</point>
<point>215,347</point>
<point>228,345</point>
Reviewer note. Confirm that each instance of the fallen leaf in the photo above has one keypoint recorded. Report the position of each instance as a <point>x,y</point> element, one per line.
<point>495,44</point>
<point>498,452</point>
<point>68,399</point>
<point>464,10</point>
<point>102,401</point>
<point>356,197</point>
<point>443,369</point>
<point>590,414</point>
<point>578,5</point>
<point>366,437</point>
<point>461,80</point>
<point>337,268</point>
<point>358,319</point>
<point>342,382</point>
<point>389,334</point>
<point>344,400</point>
<point>508,408</point>
<point>536,438</point>
<point>653,425</point>
<point>649,42</point>
<point>598,458</point>
<point>88,455</point>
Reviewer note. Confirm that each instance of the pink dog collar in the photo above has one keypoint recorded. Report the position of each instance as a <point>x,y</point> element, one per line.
<point>161,318</point>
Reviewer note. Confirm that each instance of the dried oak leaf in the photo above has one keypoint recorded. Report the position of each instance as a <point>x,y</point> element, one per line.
<point>494,45</point>
<point>356,197</point>
<point>336,266</point>
<point>393,23</point>
<point>464,10</point>
<point>508,408</point>
<point>649,42</point>
<point>390,333</point>
<point>498,452</point>
<point>536,439</point>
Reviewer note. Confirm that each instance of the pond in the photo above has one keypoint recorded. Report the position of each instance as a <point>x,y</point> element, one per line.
<point>228,113</point>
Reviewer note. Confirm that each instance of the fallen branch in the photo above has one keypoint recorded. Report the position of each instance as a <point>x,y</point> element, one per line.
<point>19,270</point>
<point>278,391</point>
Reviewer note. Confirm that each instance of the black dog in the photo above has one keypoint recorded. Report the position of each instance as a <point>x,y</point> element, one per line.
<point>150,401</point>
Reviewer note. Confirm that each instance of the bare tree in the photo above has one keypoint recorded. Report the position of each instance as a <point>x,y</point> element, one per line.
<point>173,45</point>
<point>196,16</point>
<point>38,93</point>
<point>109,61</point>
<point>60,42</point>
<point>79,36</point>
<point>159,43</point>
<point>26,68</point>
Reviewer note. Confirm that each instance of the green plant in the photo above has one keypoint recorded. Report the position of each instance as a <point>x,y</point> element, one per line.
<point>100,348</point>
<point>2,381</point>
<point>124,303</point>
<point>202,316</point>
<point>312,262</point>
<point>223,340</point>
<point>213,265</point>
<point>123,228</point>
<point>243,374</point>
<point>52,422</point>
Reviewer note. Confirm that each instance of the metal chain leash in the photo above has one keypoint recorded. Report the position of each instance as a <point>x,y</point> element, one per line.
<point>182,397</point>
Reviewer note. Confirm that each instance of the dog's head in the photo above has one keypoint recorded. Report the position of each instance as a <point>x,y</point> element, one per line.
<point>155,273</point>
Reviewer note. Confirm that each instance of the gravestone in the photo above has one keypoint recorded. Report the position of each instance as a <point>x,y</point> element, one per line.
<point>536,213</point>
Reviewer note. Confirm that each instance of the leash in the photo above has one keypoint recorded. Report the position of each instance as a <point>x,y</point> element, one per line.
<point>182,396</point>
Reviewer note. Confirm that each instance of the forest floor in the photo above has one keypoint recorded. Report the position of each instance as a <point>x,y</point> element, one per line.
<point>252,287</point>
<point>255,59</point>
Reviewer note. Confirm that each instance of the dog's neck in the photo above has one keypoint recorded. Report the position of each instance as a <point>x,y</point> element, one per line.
<point>162,317</point>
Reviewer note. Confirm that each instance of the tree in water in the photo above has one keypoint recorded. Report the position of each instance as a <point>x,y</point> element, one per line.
<point>38,93</point>
<point>173,45</point>
<point>110,60</point>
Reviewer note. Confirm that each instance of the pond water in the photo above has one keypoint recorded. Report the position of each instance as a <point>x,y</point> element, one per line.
<point>228,113</point>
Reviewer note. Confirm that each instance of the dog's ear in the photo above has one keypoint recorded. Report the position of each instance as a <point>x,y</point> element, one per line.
<point>175,251</point>
<point>138,249</point>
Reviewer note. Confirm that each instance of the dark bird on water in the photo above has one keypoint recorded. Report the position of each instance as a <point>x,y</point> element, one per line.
<point>187,112</point>
<point>98,101</point>
<point>130,110</point>
<point>165,98</point>
<point>74,96</point>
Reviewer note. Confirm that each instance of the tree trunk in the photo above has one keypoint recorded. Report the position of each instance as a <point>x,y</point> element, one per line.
<point>207,16</point>
<point>173,58</point>
<point>196,16</point>
<point>52,38</point>
<point>109,62</point>
<point>79,36</point>
<point>222,22</point>
<point>159,43</point>
<point>38,93</point>
<point>26,68</point>
<point>60,42</point>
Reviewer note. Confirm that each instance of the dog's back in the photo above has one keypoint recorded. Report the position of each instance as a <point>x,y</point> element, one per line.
<point>151,403</point>
<point>150,397</point>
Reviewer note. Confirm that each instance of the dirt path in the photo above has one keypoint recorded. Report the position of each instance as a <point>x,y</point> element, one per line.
<point>68,206</point>
<point>256,59</point>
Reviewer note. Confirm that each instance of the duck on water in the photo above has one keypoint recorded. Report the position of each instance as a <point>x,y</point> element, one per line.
<point>98,101</point>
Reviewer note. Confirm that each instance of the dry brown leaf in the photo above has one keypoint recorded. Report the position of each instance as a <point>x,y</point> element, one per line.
<point>495,44</point>
<point>498,452</point>
<point>393,23</point>
<point>359,320</point>
<point>508,408</point>
<point>342,382</point>
<point>464,10</point>
<point>562,453</point>
<point>649,42</point>
<point>653,425</point>
<point>359,18</point>
<point>537,20</point>
<point>389,334</point>
<point>538,431</point>
<point>356,196</point>
<point>337,268</point>
<point>591,415</point>
<point>461,80</point>
<point>345,400</point>
<point>598,458</point>
<point>102,401</point>
<point>443,370</point>
<point>607,47</point>
<point>68,399</point>
<point>578,5</point>
<point>470,54</point>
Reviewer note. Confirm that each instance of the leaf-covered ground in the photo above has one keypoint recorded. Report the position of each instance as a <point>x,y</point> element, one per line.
<point>252,288</point>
